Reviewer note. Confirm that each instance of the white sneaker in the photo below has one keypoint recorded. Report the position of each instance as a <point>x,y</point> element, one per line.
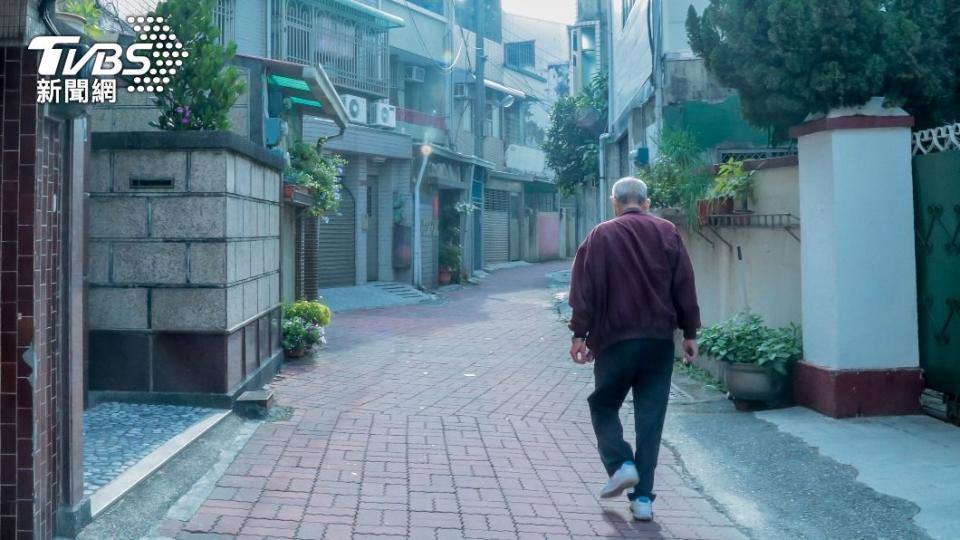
<point>626,477</point>
<point>642,509</point>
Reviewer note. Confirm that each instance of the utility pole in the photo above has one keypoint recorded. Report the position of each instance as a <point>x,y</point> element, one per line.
<point>480,90</point>
<point>479,119</point>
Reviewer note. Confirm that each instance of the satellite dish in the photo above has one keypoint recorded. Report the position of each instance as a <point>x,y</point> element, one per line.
<point>507,102</point>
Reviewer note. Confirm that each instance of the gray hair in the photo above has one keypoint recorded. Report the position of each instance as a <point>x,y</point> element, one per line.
<point>630,190</point>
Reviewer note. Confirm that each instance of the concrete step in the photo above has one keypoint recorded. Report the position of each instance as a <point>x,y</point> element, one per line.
<point>254,403</point>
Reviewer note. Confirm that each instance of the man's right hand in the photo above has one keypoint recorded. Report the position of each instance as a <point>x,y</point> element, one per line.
<point>690,351</point>
<point>579,352</point>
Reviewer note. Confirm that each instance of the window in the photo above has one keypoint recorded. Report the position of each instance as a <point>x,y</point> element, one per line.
<point>627,7</point>
<point>491,124</point>
<point>521,54</point>
<point>352,47</point>
<point>225,17</point>
<point>512,123</point>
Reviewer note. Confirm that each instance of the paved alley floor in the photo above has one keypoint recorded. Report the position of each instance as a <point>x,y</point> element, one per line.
<point>463,419</point>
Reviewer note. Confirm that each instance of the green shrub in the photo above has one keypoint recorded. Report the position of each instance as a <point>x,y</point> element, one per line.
<point>202,90</point>
<point>744,339</point>
<point>733,182</point>
<point>310,311</point>
<point>449,257</point>
<point>298,334</point>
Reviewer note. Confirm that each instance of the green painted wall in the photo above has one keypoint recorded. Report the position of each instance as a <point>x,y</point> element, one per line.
<point>714,123</point>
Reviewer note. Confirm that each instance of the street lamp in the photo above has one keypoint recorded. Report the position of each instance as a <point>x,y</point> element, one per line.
<point>425,151</point>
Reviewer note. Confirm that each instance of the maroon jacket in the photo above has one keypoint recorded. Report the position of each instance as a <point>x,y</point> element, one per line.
<point>632,278</point>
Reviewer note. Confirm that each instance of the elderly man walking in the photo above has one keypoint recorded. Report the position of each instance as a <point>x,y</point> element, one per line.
<point>632,287</point>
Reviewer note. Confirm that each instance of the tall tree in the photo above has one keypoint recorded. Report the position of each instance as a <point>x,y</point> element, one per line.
<point>571,144</point>
<point>790,58</point>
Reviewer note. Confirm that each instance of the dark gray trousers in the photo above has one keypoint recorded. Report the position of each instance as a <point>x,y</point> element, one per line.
<point>645,366</point>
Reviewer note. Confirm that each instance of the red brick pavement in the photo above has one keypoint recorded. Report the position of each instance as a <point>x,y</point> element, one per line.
<point>460,420</point>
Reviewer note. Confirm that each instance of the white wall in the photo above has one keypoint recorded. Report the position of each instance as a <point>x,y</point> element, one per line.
<point>859,267</point>
<point>771,259</point>
<point>423,34</point>
<point>632,60</point>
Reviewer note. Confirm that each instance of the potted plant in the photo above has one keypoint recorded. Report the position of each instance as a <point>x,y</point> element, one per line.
<point>83,16</point>
<point>316,173</point>
<point>303,326</point>
<point>449,263</point>
<point>757,359</point>
<point>731,185</point>
<point>677,178</point>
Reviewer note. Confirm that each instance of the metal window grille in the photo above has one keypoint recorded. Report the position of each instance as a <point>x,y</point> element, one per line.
<point>225,16</point>
<point>351,47</point>
<point>521,54</point>
<point>753,153</point>
<point>512,129</point>
<point>13,14</point>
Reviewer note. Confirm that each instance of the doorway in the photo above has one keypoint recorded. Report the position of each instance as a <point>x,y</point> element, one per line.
<point>373,229</point>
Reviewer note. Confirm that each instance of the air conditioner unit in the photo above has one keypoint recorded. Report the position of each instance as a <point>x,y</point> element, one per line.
<point>415,74</point>
<point>356,108</point>
<point>462,91</point>
<point>383,115</point>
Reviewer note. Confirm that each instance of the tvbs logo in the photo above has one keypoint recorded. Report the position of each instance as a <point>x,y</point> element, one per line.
<point>70,74</point>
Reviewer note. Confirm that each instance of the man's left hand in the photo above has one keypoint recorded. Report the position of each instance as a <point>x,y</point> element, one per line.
<point>580,353</point>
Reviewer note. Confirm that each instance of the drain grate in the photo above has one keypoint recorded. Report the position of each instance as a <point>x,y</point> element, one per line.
<point>678,394</point>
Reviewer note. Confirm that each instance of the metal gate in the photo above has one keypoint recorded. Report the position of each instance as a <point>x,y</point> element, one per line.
<point>326,249</point>
<point>496,226</point>
<point>936,177</point>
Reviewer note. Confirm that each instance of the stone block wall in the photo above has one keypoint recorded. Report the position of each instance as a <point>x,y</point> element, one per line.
<point>184,264</point>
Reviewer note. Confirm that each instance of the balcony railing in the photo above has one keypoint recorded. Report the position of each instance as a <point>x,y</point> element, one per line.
<point>351,47</point>
<point>419,118</point>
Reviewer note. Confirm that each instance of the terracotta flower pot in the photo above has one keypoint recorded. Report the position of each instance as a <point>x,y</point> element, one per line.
<point>444,276</point>
<point>296,353</point>
<point>723,206</point>
<point>703,212</point>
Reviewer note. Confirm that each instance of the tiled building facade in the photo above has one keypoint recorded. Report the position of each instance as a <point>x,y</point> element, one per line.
<point>29,301</point>
<point>41,298</point>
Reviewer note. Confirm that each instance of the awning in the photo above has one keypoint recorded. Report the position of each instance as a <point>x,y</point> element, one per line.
<point>315,88</point>
<point>540,186</point>
<point>531,183</point>
<point>493,85</point>
<point>306,102</point>
<point>288,82</point>
<point>387,19</point>
<point>322,88</point>
<point>445,152</point>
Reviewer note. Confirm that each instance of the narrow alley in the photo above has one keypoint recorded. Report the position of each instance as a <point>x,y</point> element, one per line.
<point>459,420</point>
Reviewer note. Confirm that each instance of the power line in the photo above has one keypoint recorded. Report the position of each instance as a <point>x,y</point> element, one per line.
<point>440,65</point>
<point>540,49</point>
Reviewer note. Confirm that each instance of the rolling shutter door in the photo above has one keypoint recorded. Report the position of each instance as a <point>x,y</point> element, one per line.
<point>327,251</point>
<point>496,226</point>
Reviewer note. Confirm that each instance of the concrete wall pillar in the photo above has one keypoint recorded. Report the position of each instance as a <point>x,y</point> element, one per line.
<point>858,273</point>
<point>355,179</point>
